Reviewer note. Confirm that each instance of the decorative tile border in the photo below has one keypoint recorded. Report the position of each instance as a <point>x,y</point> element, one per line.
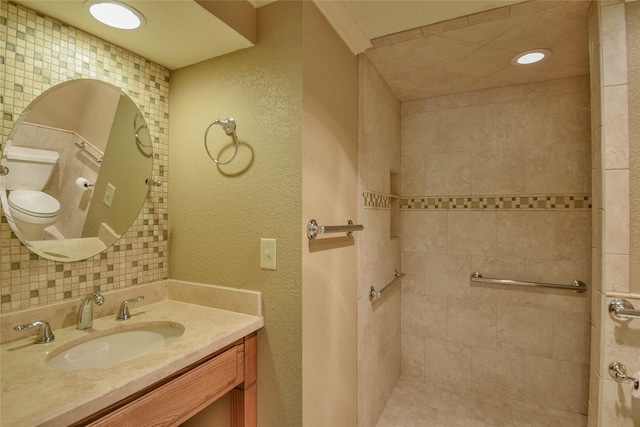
<point>538,202</point>
<point>376,200</point>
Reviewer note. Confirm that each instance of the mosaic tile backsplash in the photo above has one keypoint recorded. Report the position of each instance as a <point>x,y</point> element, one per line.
<point>36,53</point>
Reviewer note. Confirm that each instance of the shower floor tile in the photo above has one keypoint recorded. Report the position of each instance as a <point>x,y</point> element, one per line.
<point>416,403</point>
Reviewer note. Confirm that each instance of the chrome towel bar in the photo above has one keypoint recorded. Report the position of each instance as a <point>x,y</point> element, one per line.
<point>84,147</point>
<point>377,294</point>
<point>313,229</point>
<point>623,310</point>
<point>576,285</point>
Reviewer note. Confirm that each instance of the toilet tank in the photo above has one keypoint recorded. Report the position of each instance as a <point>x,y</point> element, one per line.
<point>29,168</point>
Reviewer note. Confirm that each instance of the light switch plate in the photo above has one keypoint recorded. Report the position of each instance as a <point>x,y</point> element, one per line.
<point>108,195</point>
<point>268,254</point>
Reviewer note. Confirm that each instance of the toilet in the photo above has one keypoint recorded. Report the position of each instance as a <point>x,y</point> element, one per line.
<point>30,170</point>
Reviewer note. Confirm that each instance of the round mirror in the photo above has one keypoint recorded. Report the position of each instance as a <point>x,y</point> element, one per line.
<point>74,170</point>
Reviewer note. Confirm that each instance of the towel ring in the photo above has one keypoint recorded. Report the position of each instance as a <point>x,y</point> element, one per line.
<point>137,129</point>
<point>229,127</point>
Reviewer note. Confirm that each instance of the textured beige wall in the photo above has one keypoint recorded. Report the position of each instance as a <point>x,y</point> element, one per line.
<point>329,264</point>
<point>379,342</point>
<point>218,214</point>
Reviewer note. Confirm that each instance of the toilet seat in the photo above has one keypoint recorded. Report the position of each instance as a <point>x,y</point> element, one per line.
<point>34,203</point>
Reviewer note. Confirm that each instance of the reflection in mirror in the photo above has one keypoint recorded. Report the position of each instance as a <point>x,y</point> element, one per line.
<point>77,158</point>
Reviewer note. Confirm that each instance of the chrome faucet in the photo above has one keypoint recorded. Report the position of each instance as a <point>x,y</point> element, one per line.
<point>123,313</point>
<point>85,311</point>
<point>44,334</point>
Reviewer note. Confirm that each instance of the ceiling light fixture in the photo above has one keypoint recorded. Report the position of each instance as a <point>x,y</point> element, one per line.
<point>115,14</point>
<point>531,57</point>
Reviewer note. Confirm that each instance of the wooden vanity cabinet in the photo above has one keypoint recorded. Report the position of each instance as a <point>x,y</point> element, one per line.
<point>177,398</point>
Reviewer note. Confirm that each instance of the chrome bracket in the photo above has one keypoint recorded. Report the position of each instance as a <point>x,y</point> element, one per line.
<point>622,310</point>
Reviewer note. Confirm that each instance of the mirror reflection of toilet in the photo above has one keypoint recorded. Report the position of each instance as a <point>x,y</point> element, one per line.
<point>30,170</point>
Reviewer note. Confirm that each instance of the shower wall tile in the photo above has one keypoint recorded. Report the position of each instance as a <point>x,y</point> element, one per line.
<point>614,44</point>
<point>533,232</point>
<point>379,163</point>
<point>413,266</point>
<point>615,122</point>
<point>424,232</point>
<point>413,350</point>
<point>422,316</point>
<point>498,372</point>
<point>553,383</point>
<point>571,337</point>
<point>616,211</point>
<point>472,128</point>
<point>442,269</point>
<point>616,272</point>
<point>473,324</point>
<point>572,235</point>
<point>424,133</point>
<point>523,213</point>
<point>525,330</point>
<point>412,179</point>
<point>447,362</point>
<point>558,168</point>
<point>496,172</point>
<point>448,173</point>
<point>473,233</point>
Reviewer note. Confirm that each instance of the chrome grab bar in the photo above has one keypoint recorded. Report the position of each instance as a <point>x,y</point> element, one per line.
<point>576,285</point>
<point>623,310</point>
<point>619,373</point>
<point>377,294</point>
<point>313,229</point>
<point>83,146</point>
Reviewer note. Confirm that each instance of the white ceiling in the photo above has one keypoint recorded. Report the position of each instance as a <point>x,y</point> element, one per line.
<point>417,56</point>
<point>181,32</point>
<point>383,17</point>
<point>475,52</point>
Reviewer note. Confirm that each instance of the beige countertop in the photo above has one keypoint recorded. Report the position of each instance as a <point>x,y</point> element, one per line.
<point>35,394</point>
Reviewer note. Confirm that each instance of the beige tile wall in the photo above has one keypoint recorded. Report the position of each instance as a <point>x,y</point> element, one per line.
<point>488,155</point>
<point>379,246</point>
<point>612,26</point>
<point>36,53</point>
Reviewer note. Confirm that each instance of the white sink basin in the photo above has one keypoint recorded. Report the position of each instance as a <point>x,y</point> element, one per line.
<point>115,346</point>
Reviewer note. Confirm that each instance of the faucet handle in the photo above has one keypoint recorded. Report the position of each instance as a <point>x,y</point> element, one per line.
<point>44,334</point>
<point>123,313</point>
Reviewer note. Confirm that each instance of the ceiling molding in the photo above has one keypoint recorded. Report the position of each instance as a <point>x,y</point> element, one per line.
<point>345,23</point>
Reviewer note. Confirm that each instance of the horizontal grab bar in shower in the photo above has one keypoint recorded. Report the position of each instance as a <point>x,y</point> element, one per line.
<point>313,229</point>
<point>576,285</point>
<point>378,294</point>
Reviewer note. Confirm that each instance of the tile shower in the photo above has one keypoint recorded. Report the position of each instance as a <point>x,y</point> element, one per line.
<point>504,191</point>
<point>496,181</point>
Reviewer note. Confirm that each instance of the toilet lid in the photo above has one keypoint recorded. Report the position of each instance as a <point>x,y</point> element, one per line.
<point>35,203</point>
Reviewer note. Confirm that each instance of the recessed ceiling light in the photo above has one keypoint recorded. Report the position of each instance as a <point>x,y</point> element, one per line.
<point>531,56</point>
<point>115,14</point>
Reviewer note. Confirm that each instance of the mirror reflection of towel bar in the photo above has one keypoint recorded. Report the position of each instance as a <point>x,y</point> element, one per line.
<point>83,146</point>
